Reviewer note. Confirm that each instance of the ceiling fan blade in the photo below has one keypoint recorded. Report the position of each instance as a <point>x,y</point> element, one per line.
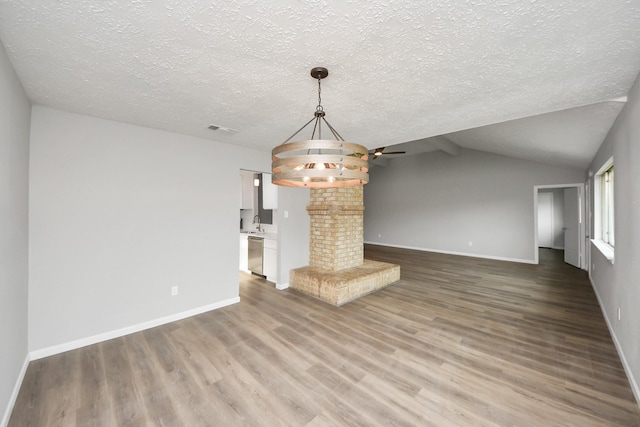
<point>394,152</point>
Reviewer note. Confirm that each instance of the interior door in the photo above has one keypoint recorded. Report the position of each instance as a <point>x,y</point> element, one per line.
<point>572,226</point>
<point>545,220</point>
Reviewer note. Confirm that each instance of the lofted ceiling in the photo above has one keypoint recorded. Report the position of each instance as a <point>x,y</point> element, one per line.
<point>526,78</point>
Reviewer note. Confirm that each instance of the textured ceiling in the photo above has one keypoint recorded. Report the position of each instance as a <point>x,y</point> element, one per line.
<point>399,71</point>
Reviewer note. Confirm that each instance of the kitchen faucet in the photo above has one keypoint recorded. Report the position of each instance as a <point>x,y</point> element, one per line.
<point>259,223</point>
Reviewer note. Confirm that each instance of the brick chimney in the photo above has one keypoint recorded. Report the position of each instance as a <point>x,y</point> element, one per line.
<point>336,228</point>
<point>337,272</point>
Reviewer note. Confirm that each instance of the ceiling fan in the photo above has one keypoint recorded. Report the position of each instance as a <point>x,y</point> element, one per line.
<point>378,152</point>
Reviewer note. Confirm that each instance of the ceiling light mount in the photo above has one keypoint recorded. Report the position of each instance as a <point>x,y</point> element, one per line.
<point>317,162</point>
<point>319,73</point>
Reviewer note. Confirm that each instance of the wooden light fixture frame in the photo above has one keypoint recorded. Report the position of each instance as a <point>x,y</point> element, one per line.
<point>319,163</point>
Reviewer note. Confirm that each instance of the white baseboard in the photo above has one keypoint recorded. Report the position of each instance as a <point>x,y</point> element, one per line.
<point>16,390</point>
<point>623,359</point>
<point>497,258</point>
<point>282,286</point>
<point>61,348</point>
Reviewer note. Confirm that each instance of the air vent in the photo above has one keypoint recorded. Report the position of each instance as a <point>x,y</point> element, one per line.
<point>223,129</point>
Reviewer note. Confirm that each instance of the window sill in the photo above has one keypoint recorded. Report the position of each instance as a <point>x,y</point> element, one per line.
<point>605,249</point>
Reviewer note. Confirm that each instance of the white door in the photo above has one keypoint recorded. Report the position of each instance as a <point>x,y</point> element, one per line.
<point>572,226</point>
<point>545,220</point>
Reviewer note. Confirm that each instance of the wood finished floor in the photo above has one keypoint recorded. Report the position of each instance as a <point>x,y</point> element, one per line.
<point>457,342</point>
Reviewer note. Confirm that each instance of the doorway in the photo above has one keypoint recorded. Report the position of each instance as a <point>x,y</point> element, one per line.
<point>559,221</point>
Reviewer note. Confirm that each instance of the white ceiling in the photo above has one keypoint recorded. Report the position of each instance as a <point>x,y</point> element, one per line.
<point>399,71</point>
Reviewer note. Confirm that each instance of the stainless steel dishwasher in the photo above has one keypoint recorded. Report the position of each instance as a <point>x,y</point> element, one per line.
<point>254,258</point>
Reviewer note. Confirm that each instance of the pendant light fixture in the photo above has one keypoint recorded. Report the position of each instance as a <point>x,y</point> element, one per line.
<point>317,162</point>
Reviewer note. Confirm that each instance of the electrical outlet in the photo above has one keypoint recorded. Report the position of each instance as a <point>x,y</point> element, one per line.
<point>593,266</point>
<point>619,314</point>
<point>379,236</point>
<point>174,291</point>
<point>286,214</point>
<point>470,243</point>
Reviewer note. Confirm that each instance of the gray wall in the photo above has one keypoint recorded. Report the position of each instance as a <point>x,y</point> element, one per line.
<point>15,114</point>
<point>618,285</point>
<point>119,214</point>
<point>438,202</point>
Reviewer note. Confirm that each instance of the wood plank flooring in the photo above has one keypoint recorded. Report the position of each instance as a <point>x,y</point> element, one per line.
<point>457,342</point>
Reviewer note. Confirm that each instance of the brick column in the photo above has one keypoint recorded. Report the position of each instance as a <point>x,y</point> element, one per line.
<point>337,272</point>
<point>336,227</point>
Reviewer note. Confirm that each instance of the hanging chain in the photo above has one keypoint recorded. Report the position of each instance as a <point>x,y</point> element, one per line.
<point>319,113</point>
<point>318,119</point>
<point>319,107</point>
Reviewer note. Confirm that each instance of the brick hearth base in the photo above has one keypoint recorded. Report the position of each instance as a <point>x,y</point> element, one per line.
<point>340,287</point>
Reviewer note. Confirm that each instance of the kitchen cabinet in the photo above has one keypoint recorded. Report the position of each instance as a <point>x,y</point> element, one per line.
<point>244,250</point>
<point>270,260</point>
<point>247,190</point>
<point>269,193</point>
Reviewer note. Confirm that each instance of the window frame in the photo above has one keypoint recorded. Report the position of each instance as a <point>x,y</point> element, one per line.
<point>607,226</point>
<point>604,210</point>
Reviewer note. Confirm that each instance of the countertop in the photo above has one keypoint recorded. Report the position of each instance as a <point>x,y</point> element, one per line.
<point>264,235</point>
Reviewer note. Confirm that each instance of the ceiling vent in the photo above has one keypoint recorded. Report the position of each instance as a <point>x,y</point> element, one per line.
<point>223,129</point>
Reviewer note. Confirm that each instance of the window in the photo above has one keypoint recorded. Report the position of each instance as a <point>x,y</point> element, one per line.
<point>603,226</point>
<point>606,207</point>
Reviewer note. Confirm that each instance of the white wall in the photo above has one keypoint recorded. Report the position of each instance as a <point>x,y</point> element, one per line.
<point>293,231</point>
<point>119,214</point>
<point>15,114</point>
<point>439,202</point>
<point>618,285</point>
<point>557,195</point>
<point>545,219</point>
<point>558,218</point>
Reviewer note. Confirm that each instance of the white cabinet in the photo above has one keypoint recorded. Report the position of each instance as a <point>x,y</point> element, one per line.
<point>269,193</point>
<point>247,190</point>
<point>270,260</point>
<point>244,250</point>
